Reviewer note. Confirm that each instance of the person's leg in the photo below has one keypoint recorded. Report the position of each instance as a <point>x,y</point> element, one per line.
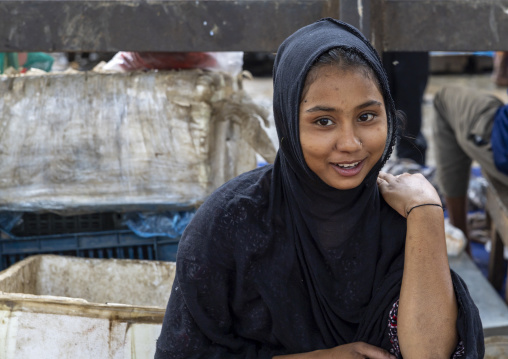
<point>457,212</point>
<point>500,72</point>
<point>408,73</point>
<point>463,120</point>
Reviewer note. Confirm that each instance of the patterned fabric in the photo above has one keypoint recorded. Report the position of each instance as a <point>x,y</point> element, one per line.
<point>392,329</point>
<point>394,339</point>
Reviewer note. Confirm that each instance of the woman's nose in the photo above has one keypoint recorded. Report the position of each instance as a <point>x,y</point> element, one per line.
<point>348,140</point>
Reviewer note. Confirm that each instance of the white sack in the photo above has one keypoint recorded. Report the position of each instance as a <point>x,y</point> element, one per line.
<point>88,142</point>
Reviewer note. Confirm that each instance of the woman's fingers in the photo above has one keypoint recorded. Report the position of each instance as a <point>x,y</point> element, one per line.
<point>357,350</point>
<point>385,176</point>
<point>385,182</point>
<point>373,352</point>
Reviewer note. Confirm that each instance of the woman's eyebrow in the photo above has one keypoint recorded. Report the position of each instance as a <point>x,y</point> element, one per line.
<point>369,103</point>
<point>332,109</point>
<point>321,108</point>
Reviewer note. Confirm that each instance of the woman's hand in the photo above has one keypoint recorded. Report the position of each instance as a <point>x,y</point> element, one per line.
<point>405,191</point>
<point>358,350</point>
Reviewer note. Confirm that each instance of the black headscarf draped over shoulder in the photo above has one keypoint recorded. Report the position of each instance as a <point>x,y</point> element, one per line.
<point>350,244</point>
<point>278,262</point>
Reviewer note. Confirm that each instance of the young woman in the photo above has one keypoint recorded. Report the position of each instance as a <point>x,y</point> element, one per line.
<point>321,255</point>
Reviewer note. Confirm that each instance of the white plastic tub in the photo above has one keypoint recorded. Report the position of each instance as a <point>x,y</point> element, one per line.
<point>64,307</point>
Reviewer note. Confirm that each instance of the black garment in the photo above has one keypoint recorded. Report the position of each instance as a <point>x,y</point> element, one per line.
<point>408,73</point>
<point>278,262</point>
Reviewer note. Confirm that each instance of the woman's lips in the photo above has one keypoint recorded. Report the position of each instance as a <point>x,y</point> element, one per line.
<point>347,171</point>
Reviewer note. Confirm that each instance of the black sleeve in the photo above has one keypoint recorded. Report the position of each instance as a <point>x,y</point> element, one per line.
<point>198,322</point>
<point>469,325</point>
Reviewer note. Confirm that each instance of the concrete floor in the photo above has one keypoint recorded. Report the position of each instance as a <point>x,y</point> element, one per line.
<point>261,91</point>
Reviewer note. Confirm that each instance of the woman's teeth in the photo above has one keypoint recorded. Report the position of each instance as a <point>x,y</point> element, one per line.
<point>349,165</point>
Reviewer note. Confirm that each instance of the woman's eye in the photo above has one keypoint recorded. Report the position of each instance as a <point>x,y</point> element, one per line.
<point>324,122</point>
<point>366,117</point>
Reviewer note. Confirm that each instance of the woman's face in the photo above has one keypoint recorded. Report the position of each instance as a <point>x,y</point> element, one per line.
<point>343,126</point>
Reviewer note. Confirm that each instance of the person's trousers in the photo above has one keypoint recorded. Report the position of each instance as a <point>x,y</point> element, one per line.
<point>462,129</point>
<point>408,73</point>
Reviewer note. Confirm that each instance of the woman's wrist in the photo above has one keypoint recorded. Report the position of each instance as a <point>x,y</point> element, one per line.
<point>427,214</point>
<point>431,204</point>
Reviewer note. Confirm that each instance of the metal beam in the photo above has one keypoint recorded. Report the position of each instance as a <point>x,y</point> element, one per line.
<point>445,25</point>
<point>160,25</point>
<point>246,25</point>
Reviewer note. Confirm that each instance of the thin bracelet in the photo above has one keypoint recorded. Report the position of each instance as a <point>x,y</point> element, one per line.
<point>425,204</point>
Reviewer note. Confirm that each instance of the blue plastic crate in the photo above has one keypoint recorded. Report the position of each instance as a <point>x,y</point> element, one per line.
<point>122,244</point>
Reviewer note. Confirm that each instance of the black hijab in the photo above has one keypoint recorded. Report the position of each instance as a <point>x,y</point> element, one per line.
<point>350,244</point>
<point>278,262</point>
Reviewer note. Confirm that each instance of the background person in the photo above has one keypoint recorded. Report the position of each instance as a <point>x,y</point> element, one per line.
<point>469,125</point>
<point>408,73</point>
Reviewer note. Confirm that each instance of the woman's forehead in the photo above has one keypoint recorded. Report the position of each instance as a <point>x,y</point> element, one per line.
<point>320,75</point>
